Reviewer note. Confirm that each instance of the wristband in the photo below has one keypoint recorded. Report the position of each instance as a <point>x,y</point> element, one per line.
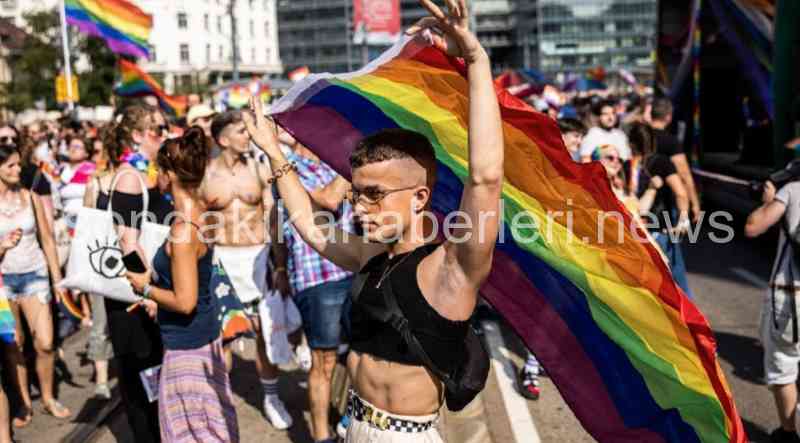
<point>147,291</point>
<point>280,269</point>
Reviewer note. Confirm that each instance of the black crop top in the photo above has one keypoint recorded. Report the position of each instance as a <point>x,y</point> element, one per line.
<point>442,339</point>
<point>128,207</point>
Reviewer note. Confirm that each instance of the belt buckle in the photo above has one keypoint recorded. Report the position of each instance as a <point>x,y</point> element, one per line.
<point>376,418</point>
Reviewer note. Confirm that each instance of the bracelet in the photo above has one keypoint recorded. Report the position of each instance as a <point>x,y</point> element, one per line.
<point>284,170</point>
<point>146,291</point>
<point>280,269</point>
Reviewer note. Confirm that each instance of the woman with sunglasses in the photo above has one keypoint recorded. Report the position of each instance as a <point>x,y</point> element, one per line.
<point>194,382</point>
<point>27,269</point>
<point>131,143</point>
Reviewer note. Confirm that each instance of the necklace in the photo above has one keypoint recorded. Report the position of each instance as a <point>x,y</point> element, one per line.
<point>388,271</point>
<point>9,208</point>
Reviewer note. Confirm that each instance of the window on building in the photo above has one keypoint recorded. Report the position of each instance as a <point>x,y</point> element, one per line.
<point>219,54</point>
<point>219,24</point>
<point>208,53</point>
<point>183,21</point>
<point>266,28</point>
<point>205,22</point>
<point>184,53</point>
<point>269,55</point>
<point>252,29</point>
<point>151,53</point>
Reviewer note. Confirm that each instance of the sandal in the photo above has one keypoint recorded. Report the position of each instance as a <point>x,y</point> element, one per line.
<point>24,419</point>
<point>56,409</point>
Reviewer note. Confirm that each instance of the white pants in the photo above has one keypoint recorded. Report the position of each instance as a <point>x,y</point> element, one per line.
<point>363,432</point>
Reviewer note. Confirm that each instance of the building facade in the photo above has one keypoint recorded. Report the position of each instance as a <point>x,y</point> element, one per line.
<point>191,42</point>
<point>577,35</point>
<point>318,33</point>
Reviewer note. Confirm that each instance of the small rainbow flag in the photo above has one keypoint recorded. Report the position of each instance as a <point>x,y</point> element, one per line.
<point>123,26</point>
<point>137,83</point>
<point>6,320</point>
<point>631,355</point>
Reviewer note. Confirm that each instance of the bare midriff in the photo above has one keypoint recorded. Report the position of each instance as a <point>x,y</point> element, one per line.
<point>394,387</point>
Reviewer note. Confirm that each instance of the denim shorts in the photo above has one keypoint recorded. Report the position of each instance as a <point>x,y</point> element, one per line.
<point>325,309</point>
<point>16,286</point>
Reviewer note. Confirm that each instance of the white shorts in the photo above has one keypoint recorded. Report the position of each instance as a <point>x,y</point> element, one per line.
<point>247,268</point>
<point>781,354</point>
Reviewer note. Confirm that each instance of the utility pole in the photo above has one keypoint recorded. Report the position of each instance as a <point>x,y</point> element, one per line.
<point>234,44</point>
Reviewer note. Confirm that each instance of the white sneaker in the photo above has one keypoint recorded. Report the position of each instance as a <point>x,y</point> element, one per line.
<point>276,413</point>
<point>302,356</point>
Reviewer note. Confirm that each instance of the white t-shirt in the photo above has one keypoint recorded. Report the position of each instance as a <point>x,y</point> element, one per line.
<point>598,136</point>
<point>789,195</point>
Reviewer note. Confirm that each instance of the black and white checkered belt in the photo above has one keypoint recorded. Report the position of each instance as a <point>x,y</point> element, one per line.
<point>358,410</point>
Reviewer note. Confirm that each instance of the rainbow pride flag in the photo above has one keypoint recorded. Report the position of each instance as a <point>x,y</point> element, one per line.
<point>631,355</point>
<point>123,26</point>
<point>6,320</point>
<point>137,83</point>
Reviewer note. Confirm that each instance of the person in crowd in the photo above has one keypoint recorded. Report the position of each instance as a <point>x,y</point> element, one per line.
<point>671,198</point>
<point>605,133</point>
<point>321,289</point>
<point>668,145</point>
<point>132,142</point>
<point>394,172</point>
<point>201,115</point>
<point>74,174</point>
<point>572,133</point>
<point>778,335</point>
<point>100,350</point>
<point>195,399</point>
<point>237,187</point>
<point>27,269</point>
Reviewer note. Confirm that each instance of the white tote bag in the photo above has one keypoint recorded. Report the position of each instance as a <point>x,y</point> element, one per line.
<point>279,318</point>
<point>95,259</point>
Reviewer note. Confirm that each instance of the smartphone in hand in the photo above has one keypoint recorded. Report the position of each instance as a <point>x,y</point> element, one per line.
<point>134,263</point>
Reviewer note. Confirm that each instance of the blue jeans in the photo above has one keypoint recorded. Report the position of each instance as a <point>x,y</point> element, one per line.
<point>674,254</point>
<point>325,310</point>
<point>27,284</point>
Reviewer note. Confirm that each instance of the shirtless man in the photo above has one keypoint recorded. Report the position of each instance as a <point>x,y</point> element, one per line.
<point>395,398</point>
<point>236,189</point>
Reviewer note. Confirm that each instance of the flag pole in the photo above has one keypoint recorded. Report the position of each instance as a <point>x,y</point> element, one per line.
<point>65,45</point>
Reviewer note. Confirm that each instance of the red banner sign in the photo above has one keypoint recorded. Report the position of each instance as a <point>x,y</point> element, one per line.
<point>376,22</point>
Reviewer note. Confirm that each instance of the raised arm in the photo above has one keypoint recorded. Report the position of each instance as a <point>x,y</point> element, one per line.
<point>344,249</point>
<point>469,250</point>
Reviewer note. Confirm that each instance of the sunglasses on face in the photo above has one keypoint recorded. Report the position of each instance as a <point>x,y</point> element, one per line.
<point>160,129</point>
<point>612,158</point>
<point>8,140</point>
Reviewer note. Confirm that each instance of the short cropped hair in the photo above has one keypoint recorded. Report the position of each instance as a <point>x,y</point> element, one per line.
<point>571,125</point>
<point>398,143</point>
<point>222,121</point>
<point>662,108</point>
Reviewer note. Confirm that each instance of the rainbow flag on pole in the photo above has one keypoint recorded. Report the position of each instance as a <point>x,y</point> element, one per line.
<point>123,26</point>
<point>631,355</point>
<point>137,83</point>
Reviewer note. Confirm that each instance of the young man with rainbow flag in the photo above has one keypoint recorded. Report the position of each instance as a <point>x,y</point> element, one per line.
<point>395,397</point>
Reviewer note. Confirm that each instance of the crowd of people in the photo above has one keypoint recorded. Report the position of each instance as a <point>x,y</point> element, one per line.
<point>238,166</point>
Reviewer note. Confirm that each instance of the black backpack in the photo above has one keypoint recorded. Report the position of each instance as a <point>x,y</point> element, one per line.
<point>462,386</point>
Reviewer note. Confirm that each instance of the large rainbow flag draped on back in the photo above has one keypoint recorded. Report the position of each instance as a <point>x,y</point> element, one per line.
<point>633,358</point>
<point>137,83</point>
<point>123,26</point>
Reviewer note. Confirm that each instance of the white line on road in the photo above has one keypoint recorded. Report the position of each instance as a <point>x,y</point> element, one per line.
<point>522,425</point>
<point>750,277</point>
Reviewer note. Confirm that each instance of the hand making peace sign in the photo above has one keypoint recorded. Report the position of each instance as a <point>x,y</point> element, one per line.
<point>450,32</point>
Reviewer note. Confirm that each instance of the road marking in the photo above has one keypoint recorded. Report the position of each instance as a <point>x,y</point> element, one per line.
<point>751,278</point>
<point>522,425</point>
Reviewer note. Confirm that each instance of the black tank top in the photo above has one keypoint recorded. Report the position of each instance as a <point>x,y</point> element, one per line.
<point>442,339</point>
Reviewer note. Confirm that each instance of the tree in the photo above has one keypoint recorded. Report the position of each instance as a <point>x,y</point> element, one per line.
<point>37,64</point>
<point>96,84</point>
<point>40,61</point>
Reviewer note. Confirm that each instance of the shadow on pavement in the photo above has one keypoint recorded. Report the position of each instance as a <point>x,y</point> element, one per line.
<point>246,384</point>
<point>755,433</point>
<point>744,354</point>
